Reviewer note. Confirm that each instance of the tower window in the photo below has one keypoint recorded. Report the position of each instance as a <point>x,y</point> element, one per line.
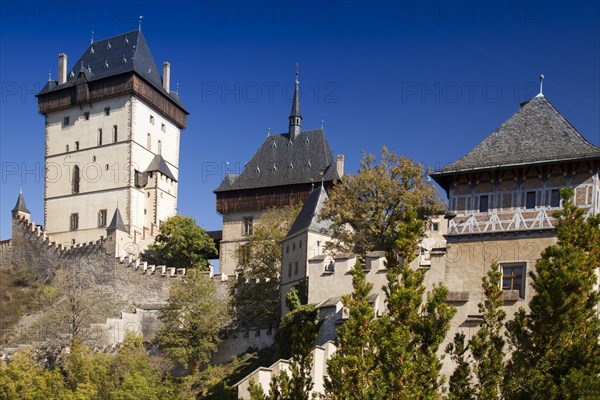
<point>102,218</point>
<point>247,228</point>
<point>100,137</point>
<point>555,198</point>
<point>75,186</point>
<point>86,115</point>
<point>74,222</point>
<point>435,226</point>
<point>107,111</point>
<point>530,200</point>
<point>114,133</point>
<point>484,205</point>
<point>513,278</point>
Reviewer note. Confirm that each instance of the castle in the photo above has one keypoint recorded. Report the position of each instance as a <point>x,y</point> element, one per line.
<point>112,148</point>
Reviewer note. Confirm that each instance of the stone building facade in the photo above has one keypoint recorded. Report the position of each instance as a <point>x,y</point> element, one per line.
<point>112,130</point>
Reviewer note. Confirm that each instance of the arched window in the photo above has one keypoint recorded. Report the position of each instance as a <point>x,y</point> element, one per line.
<point>75,179</point>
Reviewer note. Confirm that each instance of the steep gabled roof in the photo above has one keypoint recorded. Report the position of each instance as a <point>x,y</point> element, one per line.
<point>20,206</point>
<point>536,133</point>
<point>116,222</point>
<point>308,218</point>
<point>281,161</point>
<point>159,164</point>
<point>127,52</point>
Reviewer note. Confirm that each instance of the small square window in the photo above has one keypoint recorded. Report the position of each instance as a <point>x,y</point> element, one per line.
<point>484,204</point>
<point>86,115</point>
<point>513,278</point>
<point>435,226</point>
<point>107,111</point>
<point>555,198</point>
<point>66,121</point>
<point>530,200</point>
<point>102,218</point>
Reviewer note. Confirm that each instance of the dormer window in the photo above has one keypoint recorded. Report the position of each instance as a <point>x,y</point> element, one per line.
<point>152,119</point>
<point>66,121</point>
<point>163,127</point>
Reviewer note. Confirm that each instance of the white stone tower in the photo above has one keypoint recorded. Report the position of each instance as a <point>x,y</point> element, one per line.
<point>112,140</point>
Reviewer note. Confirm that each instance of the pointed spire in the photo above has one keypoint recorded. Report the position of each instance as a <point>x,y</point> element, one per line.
<point>140,22</point>
<point>116,222</point>
<point>295,117</point>
<point>92,40</point>
<point>20,207</point>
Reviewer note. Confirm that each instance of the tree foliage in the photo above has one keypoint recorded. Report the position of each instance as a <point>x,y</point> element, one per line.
<point>192,318</point>
<point>182,243</point>
<point>255,296</point>
<point>555,348</point>
<point>386,204</point>
<point>351,368</point>
<point>484,380</point>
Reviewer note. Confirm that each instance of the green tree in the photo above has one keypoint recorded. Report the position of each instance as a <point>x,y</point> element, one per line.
<point>134,374</point>
<point>460,381</point>
<point>255,296</point>
<point>487,345</point>
<point>88,374</point>
<point>555,348</point>
<point>351,369</point>
<point>182,243</point>
<point>25,378</point>
<point>192,318</point>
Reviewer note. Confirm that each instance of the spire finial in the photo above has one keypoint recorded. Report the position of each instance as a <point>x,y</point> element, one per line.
<point>49,75</point>
<point>20,189</point>
<point>140,22</point>
<point>177,88</point>
<point>295,118</point>
<point>268,132</point>
<point>297,73</point>
<point>322,124</point>
<point>92,40</point>
<point>541,84</point>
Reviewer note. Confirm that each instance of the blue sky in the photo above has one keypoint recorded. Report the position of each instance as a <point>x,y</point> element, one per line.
<point>427,79</point>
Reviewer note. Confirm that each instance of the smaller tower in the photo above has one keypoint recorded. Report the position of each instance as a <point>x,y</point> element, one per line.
<point>295,118</point>
<point>117,234</point>
<point>20,208</point>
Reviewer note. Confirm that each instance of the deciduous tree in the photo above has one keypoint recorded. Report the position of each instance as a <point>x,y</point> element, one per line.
<point>182,243</point>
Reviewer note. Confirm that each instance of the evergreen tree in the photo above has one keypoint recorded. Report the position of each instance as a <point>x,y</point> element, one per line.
<point>351,369</point>
<point>487,345</point>
<point>460,380</point>
<point>556,352</point>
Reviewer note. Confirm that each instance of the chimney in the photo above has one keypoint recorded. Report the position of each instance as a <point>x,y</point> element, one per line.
<point>167,76</point>
<point>340,165</point>
<point>62,68</point>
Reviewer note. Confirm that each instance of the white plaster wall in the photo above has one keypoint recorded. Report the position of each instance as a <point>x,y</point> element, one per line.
<point>233,224</point>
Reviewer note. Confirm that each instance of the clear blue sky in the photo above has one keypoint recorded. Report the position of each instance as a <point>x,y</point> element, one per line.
<point>428,80</point>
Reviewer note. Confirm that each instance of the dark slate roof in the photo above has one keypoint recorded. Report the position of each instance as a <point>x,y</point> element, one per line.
<point>308,218</point>
<point>159,164</point>
<point>280,161</point>
<point>117,222</point>
<point>536,133</point>
<point>20,206</point>
<point>127,52</point>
